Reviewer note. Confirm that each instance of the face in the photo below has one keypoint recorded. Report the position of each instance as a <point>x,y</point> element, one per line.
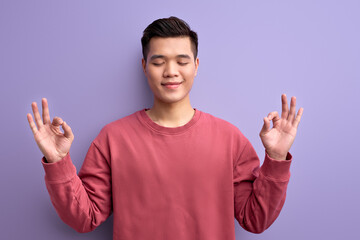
<point>170,68</point>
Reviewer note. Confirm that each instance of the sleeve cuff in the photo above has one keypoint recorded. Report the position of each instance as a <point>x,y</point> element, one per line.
<point>278,170</point>
<point>61,171</point>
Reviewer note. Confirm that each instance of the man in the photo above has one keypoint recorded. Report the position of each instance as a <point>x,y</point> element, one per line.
<point>171,171</point>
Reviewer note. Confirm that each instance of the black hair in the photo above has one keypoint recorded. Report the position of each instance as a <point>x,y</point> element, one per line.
<point>168,27</point>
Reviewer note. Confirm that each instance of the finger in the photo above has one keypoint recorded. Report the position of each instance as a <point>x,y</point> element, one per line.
<point>274,116</point>
<point>298,117</point>
<point>285,108</point>
<point>37,116</point>
<point>31,123</point>
<point>57,122</point>
<point>266,126</point>
<point>292,109</point>
<point>45,111</point>
<point>67,131</point>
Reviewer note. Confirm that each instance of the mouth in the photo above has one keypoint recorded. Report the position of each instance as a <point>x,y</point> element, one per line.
<point>171,85</point>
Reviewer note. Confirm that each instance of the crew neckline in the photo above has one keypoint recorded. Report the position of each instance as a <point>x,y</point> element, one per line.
<point>168,130</point>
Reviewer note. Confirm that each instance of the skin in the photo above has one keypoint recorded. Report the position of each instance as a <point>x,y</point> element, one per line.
<point>170,60</point>
<point>51,141</point>
<point>278,139</point>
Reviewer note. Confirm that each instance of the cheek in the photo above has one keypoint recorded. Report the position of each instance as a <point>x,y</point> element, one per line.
<point>189,73</point>
<point>153,74</point>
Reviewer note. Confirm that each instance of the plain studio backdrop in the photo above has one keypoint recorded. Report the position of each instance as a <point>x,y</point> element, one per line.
<point>85,58</point>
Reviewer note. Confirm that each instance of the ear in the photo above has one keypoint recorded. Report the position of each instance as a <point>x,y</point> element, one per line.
<point>196,66</point>
<point>143,62</point>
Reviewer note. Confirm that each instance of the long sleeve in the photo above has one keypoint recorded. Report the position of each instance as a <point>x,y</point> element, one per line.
<point>259,192</point>
<point>169,183</point>
<point>82,201</point>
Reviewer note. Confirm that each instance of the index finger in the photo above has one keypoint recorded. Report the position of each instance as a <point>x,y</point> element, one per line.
<point>45,111</point>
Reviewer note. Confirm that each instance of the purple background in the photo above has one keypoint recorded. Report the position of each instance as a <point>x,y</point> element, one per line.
<point>85,56</point>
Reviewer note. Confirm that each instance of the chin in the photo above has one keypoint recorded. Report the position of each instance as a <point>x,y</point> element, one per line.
<point>171,99</point>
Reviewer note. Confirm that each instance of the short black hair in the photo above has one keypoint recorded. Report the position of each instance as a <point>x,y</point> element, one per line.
<point>168,27</point>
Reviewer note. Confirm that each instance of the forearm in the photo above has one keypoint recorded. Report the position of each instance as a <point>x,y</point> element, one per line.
<point>76,205</point>
<point>259,202</point>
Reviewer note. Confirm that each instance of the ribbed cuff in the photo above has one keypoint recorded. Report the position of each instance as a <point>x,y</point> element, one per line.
<point>60,171</point>
<point>277,169</point>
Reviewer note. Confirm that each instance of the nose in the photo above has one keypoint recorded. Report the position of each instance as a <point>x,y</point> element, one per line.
<point>171,70</point>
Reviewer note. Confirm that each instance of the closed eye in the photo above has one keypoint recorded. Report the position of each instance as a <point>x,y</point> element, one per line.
<point>157,64</point>
<point>182,63</point>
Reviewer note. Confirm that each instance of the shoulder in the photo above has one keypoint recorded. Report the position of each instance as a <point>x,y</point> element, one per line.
<point>222,127</point>
<point>225,132</point>
<point>119,127</point>
<point>219,123</point>
<point>127,120</point>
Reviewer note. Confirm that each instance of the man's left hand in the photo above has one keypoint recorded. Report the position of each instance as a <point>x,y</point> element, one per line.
<point>278,139</point>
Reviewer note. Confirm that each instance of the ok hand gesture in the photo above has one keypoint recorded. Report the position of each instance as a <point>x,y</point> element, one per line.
<point>278,140</point>
<point>53,143</point>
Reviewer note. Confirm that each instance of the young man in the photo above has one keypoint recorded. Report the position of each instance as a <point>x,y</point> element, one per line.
<point>171,171</point>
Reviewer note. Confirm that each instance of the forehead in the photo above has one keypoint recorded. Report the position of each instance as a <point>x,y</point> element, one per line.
<point>170,46</point>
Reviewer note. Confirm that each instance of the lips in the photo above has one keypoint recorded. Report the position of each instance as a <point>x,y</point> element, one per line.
<point>171,85</point>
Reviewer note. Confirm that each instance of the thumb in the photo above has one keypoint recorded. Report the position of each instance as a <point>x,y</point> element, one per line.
<point>57,122</point>
<point>67,131</point>
<point>266,126</point>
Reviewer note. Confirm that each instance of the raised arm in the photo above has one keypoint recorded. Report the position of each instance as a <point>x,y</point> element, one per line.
<point>82,201</point>
<point>52,142</point>
<point>259,193</point>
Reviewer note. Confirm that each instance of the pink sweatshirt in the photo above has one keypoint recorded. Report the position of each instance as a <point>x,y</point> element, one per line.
<point>180,183</point>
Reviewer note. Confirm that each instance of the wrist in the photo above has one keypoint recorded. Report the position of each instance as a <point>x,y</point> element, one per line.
<point>276,156</point>
<point>53,159</point>
<point>276,169</point>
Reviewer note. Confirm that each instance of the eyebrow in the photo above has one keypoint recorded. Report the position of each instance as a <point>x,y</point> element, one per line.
<point>162,56</point>
<point>183,56</point>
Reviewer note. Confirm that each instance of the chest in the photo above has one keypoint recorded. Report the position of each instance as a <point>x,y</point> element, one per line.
<point>186,162</point>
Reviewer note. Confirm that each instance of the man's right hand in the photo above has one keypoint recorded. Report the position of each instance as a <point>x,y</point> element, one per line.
<point>53,143</point>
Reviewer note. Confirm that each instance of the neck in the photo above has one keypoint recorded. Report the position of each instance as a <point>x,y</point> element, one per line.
<point>171,114</point>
